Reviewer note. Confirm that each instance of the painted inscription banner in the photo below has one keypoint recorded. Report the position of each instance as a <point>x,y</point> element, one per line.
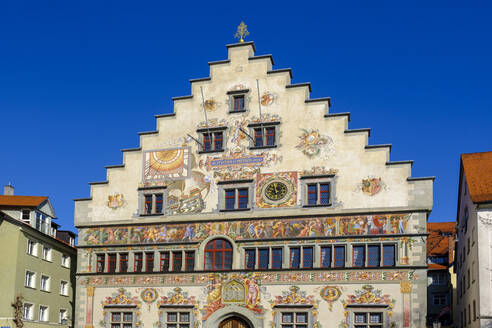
<point>251,229</point>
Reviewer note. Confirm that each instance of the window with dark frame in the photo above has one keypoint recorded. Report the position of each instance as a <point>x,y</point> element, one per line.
<point>177,260</point>
<point>100,259</point>
<point>148,204</point>
<point>189,260</point>
<point>389,255</point>
<point>295,257</point>
<point>236,198</point>
<point>121,320</point>
<point>358,256</point>
<point>277,258</point>
<point>175,319</point>
<point>112,262</point>
<point>294,319</point>
<point>250,258</point>
<point>373,255</point>
<point>339,257</point>
<point>164,265</point>
<point>212,141</point>
<point>26,216</point>
<point>218,255</point>
<point>368,319</point>
<point>138,262</point>
<point>123,262</point>
<point>264,136</point>
<point>238,103</point>
<point>149,261</point>
<point>318,193</point>
<point>326,256</point>
<point>263,258</point>
<point>307,257</point>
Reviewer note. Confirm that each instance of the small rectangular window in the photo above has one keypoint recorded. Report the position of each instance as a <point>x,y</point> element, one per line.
<point>307,257</point>
<point>158,203</point>
<point>212,141</point>
<point>164,261</point>
<point>177,260</point>
<point>64,288</point>
<point>28,312</point>
<point>121,320</point>
<point>44,286</point>
<point>359,256</point>
<point>250,258</point>
<point>149,261</point>
<point>31,247</point>
<point>111,262</point>
<point>138,262</point>
<point>26,216</point>
<point>100,262</point>
<point>177,319</point>
<point>189,260</point>
<point>148,204</point>
<point>388,255</point>
<point>263,258</point>
<point>317,194</point>
<point>243,198</point>
<point>238,103</point>
<point>325,256</point>
<point>295,257</point>
<point>373,255</point>
<point>43,313</point>
<point>339,256</point>
<point>265,136</point>
<point>123,262</point>
<point>237,198</point>
<point>62,318</point>
<point>276,258</point>
<point>65,261</point>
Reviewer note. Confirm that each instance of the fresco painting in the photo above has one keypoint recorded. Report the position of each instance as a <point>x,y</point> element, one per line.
<point>276,189</point>
<point>167,164</point>
<point>121,298</point>
<point>294,297</point>
<point>251,229</point>
<point>312,142</point>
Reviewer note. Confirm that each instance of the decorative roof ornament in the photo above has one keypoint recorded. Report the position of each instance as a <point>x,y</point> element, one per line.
<point>242,31</point>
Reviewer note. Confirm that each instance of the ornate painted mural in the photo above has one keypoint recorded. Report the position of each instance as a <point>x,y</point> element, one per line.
<point>177,297</point>
<point>294,297</point>
<point>251,229</point>
<point>122,297</point>
<point>167,164</point>
<point>115,201</point>
<point>260,278</point>
<point>312,142</point>
<point>330,294</point>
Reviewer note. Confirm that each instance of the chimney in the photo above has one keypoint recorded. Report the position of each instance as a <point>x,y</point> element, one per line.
<point>8,190</point>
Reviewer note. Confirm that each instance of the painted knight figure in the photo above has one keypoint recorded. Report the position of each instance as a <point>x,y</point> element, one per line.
<point>252,205</point>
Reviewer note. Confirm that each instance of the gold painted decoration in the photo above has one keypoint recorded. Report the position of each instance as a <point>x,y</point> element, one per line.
<point>149,295</point>
<point>267,99</point>
<point>167,164</point>
<point>276,189</point>
<point>241,32</point>
<point>371,186</point>
<point>115,201</point>
<point>330,294</point>
<point>405,287</point>
<point>210,105</point>
<point>121,298</point>
<point>233,292</point>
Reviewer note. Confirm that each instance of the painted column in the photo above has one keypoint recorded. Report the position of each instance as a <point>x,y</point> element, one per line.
<point>89,307</point>
<point>406,290</point>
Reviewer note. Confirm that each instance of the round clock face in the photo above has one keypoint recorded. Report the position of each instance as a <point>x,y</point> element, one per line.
<point>276,190</point>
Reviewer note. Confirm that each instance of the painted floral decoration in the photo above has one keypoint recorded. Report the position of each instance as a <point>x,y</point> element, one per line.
<point>311,141</point>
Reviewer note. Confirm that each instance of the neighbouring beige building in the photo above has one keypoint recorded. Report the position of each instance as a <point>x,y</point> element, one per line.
<point>37,264</point>
<point>474,247</point>
<point>234,215</point>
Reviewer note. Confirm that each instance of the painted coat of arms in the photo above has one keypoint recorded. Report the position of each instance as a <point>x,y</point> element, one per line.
<point>371,186</point>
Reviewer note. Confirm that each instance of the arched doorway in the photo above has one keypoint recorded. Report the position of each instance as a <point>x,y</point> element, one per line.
<point>234,322</point>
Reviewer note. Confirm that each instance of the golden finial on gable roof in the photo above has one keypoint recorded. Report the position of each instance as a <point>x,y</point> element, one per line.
<point>242,31</point>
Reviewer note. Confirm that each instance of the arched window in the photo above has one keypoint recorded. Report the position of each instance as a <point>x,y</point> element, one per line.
<point>218,255</point>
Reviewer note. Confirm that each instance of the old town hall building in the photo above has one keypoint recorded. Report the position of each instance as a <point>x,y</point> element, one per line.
<point>253,206</point>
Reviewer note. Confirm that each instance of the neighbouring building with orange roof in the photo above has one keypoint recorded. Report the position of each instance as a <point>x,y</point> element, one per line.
<point>474,245</point>
<point>37,264</point>
<point>440,259</point>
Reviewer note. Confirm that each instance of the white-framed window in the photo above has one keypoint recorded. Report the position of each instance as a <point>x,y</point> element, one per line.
<point>368,319</point>
<point>26,216</point>
<point>65,261</point>
<point>439,278</point>
<point>30,280</point>
<point>317,190</point>
<point>294,319</point>
<point>121,319</point>
<point>236,195</point>
<point>43,313</point>
<point>46,253</point>
<point>27,313</point>
<point>45,283</point>
<point>64,288</point>
<point>62,317</point>
<point>32,247</point>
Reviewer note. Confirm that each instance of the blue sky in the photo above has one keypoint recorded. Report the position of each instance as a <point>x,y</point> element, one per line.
<point>79,79</point>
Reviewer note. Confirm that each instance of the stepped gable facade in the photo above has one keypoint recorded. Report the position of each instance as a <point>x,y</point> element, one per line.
<point>234,215</point>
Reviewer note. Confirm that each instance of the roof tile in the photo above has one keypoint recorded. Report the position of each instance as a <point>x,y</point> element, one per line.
<point>477,168</point>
